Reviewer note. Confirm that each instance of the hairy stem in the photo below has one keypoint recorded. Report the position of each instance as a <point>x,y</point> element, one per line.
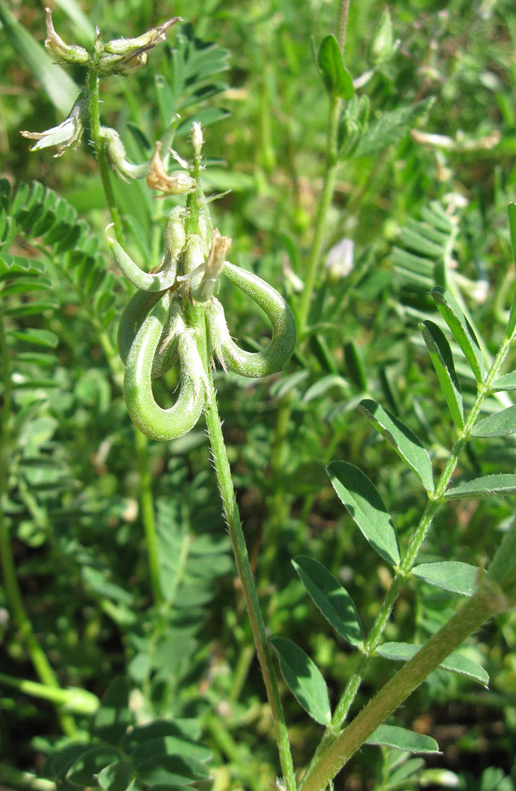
<point>433,505</point>
<point>470,617</point>
<point>227,493</point>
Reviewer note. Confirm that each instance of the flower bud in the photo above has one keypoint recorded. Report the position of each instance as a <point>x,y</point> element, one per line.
<point>175,237</point>
<point>66,134</point>
<point>56,46</point>
<point>125,55</point>
<point>197,138</point>
<point>213,267</point>
<point>176,183</point>
<point>339,261</point>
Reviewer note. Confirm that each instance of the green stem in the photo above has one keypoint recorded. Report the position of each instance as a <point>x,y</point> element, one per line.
<point>326,198</point>
<point>148,514</point>
<point>470,617</point>
<point>227,492</point>
<point>100,153</point>
<point>353,685</point>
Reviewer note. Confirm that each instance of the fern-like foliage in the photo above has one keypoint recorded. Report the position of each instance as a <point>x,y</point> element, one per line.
<point>426,247</point>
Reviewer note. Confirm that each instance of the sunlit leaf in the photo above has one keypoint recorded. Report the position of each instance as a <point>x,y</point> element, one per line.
<point>367,508</point>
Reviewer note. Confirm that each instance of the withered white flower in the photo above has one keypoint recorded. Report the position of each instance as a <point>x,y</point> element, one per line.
<point>66,134</point>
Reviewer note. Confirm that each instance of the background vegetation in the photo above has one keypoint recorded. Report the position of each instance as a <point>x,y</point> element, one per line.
<point>81,487</point>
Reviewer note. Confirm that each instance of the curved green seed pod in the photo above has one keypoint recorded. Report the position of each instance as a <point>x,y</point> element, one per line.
<point>284,331</point>
<point>146,414</point>
<point>144,281</point>
<point>133,316</point>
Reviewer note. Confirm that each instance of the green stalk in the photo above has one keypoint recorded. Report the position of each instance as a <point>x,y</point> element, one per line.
<point>468,618</point>
<point>227,493</point>
<point>146,495</point>
<point>437,499</point>
<point>12,590</point>
<point>148,514</point>
<point>99,150</point>
<point>330,175</point>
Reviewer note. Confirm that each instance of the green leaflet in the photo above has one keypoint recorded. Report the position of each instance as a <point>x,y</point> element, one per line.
<point>367,508</point>
<point>461,329</point>
<point>487,486</point>
<point>441,356</point>
<point>506,382</point>
<point>337,79</point>
<point>331,598</point>
<point>501,424</point>
<point>455,662</point>
<point>402,439</point>
<point>304,679</point>
<point>451,575</point>
<point>402,739</point>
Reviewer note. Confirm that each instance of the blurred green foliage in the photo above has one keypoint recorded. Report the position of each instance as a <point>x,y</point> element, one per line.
<point>74,479</point>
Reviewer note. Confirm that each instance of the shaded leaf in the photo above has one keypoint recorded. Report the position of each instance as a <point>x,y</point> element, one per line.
<point>455,662</point>
<point>402,739</point>
<point>171,770</point>
<point>402,439</point>
<point>304,679</point>
<point>330,598</point>
<point>84,770</point>
<point>38,337</point>
<point>113,718</point>
<point>117,776</point>
<point>366,507</point>
<point>451,575</point>
<point>337,79</point>
<point>441,356</point>
<point>501,424</point>
<point>462,330</point>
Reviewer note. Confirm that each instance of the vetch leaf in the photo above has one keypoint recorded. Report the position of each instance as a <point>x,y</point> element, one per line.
<point>487,486</point>
<point>403,440</point>
<point>324,384</point>
<point>441,356</point>
<point>333,601</point>
<point>116,776</point>
<point>455,662</point>
<point>88,765</point>
<point>451,575</point>
<point>501,424</point>
<point>171,770</point>
<point>462,330</point>
<point>402,739</point>
<point>361,498</point>
<point>337,79</point>
<point>506,382</point>
<point>304,679</point>
<point>390,128</point>
<point>38,337</point>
